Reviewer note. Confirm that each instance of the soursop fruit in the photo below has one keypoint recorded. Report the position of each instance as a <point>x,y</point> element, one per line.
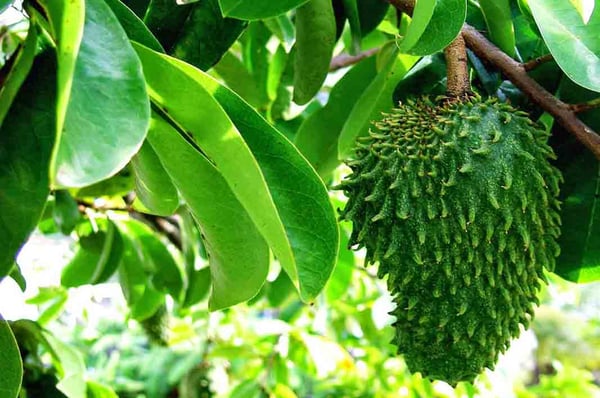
<point>457,201</point>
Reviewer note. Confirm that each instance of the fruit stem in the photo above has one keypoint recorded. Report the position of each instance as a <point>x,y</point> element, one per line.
<point>456,68</point>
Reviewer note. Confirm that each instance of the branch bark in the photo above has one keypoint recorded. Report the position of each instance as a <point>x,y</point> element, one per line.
<point>343,60</point>
<point>514,71</point>
<point>458,84</point>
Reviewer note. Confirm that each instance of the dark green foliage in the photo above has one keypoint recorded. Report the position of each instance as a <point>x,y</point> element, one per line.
<point>457,203</point>
<point>156,326</point>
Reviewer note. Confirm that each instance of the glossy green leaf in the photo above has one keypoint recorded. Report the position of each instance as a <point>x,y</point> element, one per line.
<point>318,135</point>
<point>255,56</point>
<point>371,13</point>
<point>66,22</point>
<point>234,73</point>
<point>198,286</point>
<point>118,185</point>
<point>238,254</point>
<point>133,25</point>
<point>165,19</point>
<point>574,43</point>
<point>341,278</point>
<point>206,35</point>
<point>70,366</point>
<point>163,271</point>
<point>434,25</point>
<point>26,139</point>
<point>98,255</point>
<point>97,390</point>
<point>257,9</point>
<point>311,228</point>
<point>153,185</point>
<point>498,18</point>
<point>65,212</point>
<point>579,259</point>
<point>11,367</point>
<point>113,83</point>
<point>17,276</point>
<point>139,7</point>
<point>375,99</point>
<point>15,70</point>
<point>351,11</point>
<point>176,89</point>
<point>134,278</point>
<point>50,301</point>
<point>315,39</point>
<point>4,4</point>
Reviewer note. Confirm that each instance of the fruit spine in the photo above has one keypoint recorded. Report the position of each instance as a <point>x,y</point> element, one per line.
<point>457,202</point>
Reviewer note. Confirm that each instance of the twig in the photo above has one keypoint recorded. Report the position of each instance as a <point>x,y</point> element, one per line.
<point>343,60</point>
<point>534,63</point>
<point>515,72</point>
<point>586,106</point>
<point>458,72</point>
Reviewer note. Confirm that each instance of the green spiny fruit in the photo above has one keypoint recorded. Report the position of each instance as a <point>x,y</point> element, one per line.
<point>456,200</point>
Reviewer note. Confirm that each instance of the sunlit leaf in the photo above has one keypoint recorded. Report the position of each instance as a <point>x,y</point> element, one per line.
<point>178,94</point>
<point>11,367</point>
<point>375,99</point>
<point>310,228</point>
<point>575,44</point>
<point>498,18</point>
<point>257,9</point>
<point>153,185</point>
<point>227,228</point>
<point>318,135</point>
<point>113,83</point>
<point>434,25</point>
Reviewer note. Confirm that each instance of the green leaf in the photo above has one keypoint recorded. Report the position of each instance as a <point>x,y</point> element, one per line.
<point>66,21</point>
<point>15,70</point>
<point>573,42</point>
<point>112,83</point>
<point>247,389</point>
<point>51,302</point>
<point>234,73</point>
<point>70,366</point>
<point>351,11</point>
<point>315,40</point>
<point>26,139</point>
<point>238,254</point>
<point>579,259</point>
<point>165,274</point>
<point>434,25</point>
<point>165,19</point>
<point>118,185</point>
<point>257,9</point>
<point>498,19</point>
<point>153,185</point>
<point>255,56</point>
<point>11,366</point>
<point>142,298</point>
<point>97,257</point>
<point>206,35</point>
<point>371,13</point>
<point>176,89</point>
<point>310,228</point>
<point>133,25</point>
<point>65,212</point>
<point>375,99</point>
<point>318,135</point>
<point>198,286</point>
<point>18,277</point>
<point>97,390</point>
<point>342,273</point>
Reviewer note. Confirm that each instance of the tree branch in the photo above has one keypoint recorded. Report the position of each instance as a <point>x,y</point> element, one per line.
<point>458,84</point>
<point>534,63</point>
<point>343,60</point>
<point>563,113</point>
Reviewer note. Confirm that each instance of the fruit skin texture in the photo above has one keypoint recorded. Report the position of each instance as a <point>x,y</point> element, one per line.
<point>457,202</point>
